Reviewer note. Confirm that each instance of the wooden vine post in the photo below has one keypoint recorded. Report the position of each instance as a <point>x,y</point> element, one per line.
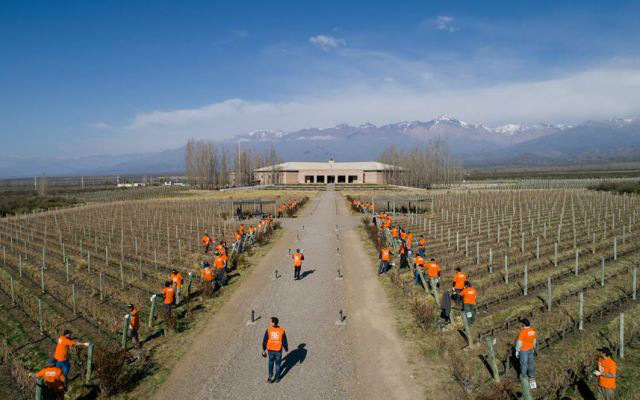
<point>492,359</point>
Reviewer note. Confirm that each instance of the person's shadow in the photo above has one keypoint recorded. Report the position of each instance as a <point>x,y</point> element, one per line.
<point>292,358</point>
<point>306,273</point>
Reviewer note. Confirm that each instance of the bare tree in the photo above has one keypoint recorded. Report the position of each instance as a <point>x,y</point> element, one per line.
<point>421,165</point>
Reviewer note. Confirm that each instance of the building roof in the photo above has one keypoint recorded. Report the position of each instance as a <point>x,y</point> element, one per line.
<point>328,165</point>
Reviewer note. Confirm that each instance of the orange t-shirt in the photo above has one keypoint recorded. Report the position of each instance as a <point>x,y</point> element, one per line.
<point>53,378</point>
<point>394,233</point>
<point>62,348</point>
<point>458,280</point>
<point>607,366</point>
<point>297,259</point>
<point>176,279</point>
<point>527,337</point>
<point>168,295</point>
<point>385,254</point>
<point>207,274</point>
<point>469,295</point>
<point>420,263</point>
<point>134,320</point>
<point>206,240</point>
<point>433,268</point>
<point>218,262</point>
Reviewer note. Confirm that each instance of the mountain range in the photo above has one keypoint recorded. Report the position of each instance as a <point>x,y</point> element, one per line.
<point>477,145</point>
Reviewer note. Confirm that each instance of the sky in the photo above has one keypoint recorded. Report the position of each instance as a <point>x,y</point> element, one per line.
<point>81,78</point>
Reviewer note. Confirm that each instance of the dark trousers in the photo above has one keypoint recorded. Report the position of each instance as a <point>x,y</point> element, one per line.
<point>220,277</point>
<point>206,249</point>
<point>296,272</point>
<point>275,358</point>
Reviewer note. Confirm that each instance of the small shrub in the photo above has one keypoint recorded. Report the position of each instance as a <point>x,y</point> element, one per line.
<point>424,312</point>
<point>109,366</point>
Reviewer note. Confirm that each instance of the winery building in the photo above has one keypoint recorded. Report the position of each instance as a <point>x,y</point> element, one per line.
<point>370,172</point>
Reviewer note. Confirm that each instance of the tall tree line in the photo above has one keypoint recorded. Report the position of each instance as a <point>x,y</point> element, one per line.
<point>422,165</point>
<point>209,167</point>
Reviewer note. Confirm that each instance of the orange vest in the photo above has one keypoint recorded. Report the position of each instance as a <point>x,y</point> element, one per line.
<point>385,254</point>
<point>53,378</point>
<point>168,295</point>
<point>459,279</point>
<point>297,260</point>
<point>469,295</point>
<point>134,320</point>
<point>432,269</point>
<point>62,348</point>
<point>207,274</point>
<point>526,337</point>
<point>274,338</point>
<point>607,366</point>
<point>176,279</point>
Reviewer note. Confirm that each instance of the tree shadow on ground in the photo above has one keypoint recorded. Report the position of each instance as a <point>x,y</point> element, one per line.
<point>296,356</point>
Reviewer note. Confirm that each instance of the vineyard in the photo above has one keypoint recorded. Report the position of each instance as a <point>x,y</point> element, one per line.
<point>79,268</point>
<point>566,259</point>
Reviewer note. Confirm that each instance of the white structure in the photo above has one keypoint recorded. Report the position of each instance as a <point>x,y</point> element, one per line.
<point>322,172</point>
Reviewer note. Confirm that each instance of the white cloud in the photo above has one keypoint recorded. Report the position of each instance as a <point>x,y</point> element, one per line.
<point>445,23</point>
<point>326,42</point>
<point>598,93</point>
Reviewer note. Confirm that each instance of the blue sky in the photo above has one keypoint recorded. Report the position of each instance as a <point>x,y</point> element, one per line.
<point>89,77</point>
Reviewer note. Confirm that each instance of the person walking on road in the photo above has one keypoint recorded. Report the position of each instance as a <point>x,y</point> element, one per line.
<point>61,355</point>
<point>525,352</point>
<point>274,340</point>
<point>606,373</point>
<point>53,379</point>
<point>385,259</point>
<point>206,242</point>
<point>134,324</point>
<point>298,257</point>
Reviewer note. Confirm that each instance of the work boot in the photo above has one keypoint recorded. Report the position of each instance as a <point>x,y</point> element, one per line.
<point>270,379</point>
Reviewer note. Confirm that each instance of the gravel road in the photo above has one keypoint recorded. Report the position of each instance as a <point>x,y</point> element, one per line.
<point>327,359</point>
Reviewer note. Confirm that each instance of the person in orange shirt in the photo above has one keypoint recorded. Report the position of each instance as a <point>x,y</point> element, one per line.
<point>525,351</point>
<point>134,324</point>
<point>607,374</point>
<point>433,271</point>
<point>469,295</point>
<point>206,242</point>
<point>297,257</point>
<point>459,278</point>
<point>176,280</point>
<point>221,248</point>
<point>219,263</point>
<point>207,276</point>
<point>168,293</point>
<point>61,355</point>
<point>385,259</point>
<point>274,340</point>
<point>53,379</point>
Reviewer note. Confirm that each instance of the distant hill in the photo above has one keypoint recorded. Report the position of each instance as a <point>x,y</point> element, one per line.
<point>477,145</point>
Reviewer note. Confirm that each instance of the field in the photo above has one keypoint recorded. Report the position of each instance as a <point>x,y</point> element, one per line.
<point>565,259</point>
<point>78,268</point>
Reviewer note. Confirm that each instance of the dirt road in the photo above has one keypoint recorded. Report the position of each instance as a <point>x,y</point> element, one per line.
<point>360,357</point>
